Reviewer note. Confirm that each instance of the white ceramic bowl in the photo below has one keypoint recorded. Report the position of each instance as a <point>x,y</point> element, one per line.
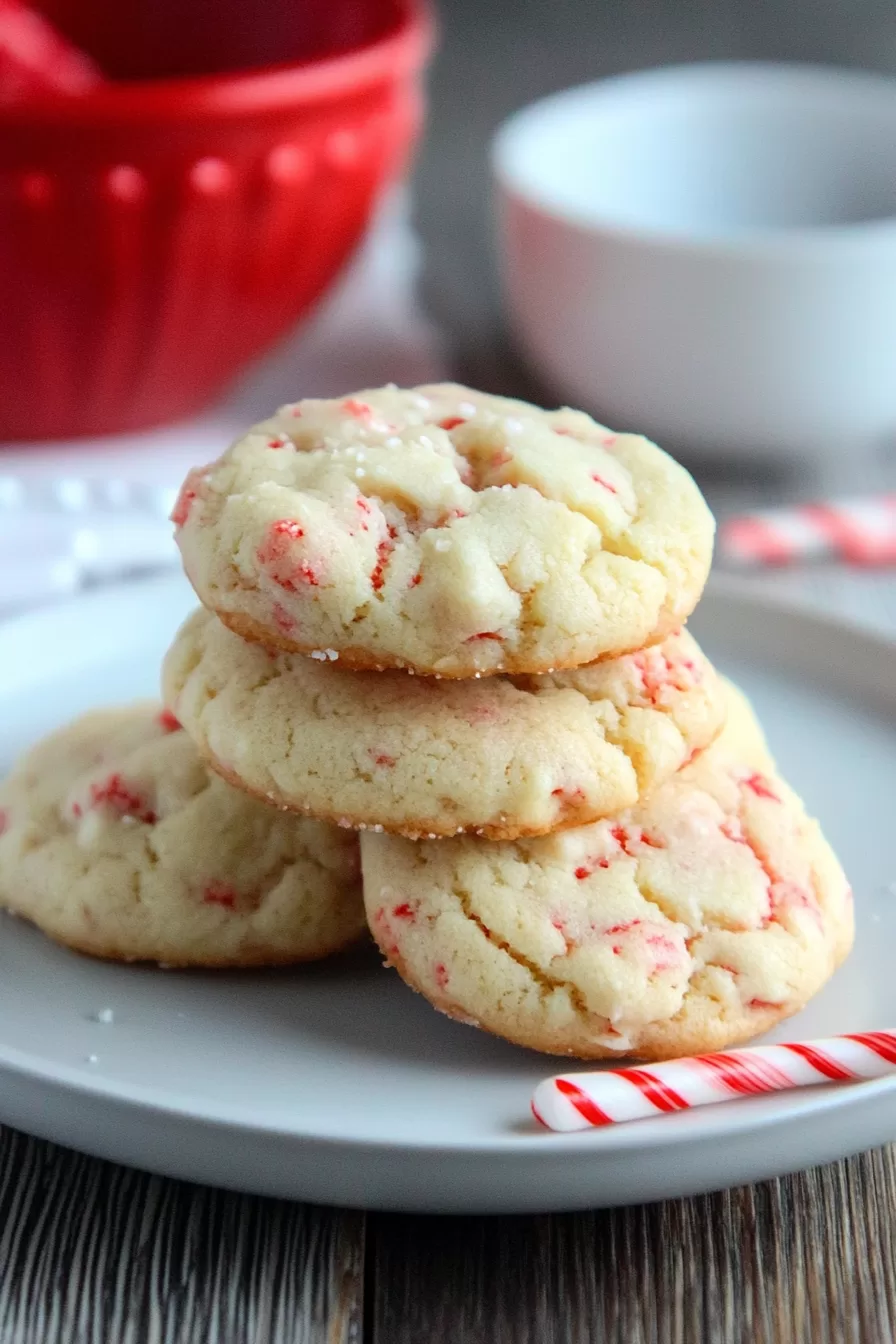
<point>707,253</point>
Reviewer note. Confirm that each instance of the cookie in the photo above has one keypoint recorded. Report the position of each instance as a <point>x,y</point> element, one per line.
<point>502,756</point>
<point>693,921</point>
<point>116,840</point>
<point>445,531</point>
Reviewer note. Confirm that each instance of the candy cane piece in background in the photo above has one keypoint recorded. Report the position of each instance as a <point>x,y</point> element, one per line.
<point>575,1101</point>
<point>853,531</point>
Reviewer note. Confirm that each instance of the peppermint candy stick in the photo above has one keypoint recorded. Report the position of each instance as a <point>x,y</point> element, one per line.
<point>855,531</point>
<point>591,1100</point>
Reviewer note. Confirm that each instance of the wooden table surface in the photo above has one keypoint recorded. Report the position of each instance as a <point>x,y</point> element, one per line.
<point>97,1253</point>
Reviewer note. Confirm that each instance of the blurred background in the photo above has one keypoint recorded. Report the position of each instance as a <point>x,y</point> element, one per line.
<point>498,55</point>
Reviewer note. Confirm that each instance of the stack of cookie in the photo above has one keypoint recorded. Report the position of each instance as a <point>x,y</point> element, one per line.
<point>452,623</point>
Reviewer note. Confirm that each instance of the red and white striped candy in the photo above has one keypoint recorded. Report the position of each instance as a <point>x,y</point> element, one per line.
<point>592,1100</point>
<point>855,531</point>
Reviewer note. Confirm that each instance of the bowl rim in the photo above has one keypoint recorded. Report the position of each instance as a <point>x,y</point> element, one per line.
<point>760,242</point>
<point>404,48</point>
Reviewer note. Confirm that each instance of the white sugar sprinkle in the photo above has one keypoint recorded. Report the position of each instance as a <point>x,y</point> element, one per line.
<point>105,1015</point>
<point>466,408</point>
<point>513,426</point>
<point>93,1059</point>
<point>359,472</point>
<point>345,823</point>
<point>378,828</point>
<point>331,654</point>
<point>393,441</point>
<point>443,544</point>
<point>319,654</point>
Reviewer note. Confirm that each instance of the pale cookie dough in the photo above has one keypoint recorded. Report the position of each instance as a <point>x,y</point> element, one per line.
<point>445,531</point>
<point>502,757</point>
<point>694,921</point>
<point>117,841</point>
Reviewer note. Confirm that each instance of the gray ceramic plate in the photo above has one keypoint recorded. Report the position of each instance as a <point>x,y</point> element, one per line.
<point>339,1085</point>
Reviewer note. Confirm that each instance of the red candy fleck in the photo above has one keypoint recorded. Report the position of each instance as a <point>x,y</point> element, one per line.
<point>187,496</point>
<point>275,554</point>
<point>114,793</point>
<point>377,578</point>
<point>452,422</point>
<point>658,671</point>
<point>607,485</point>
<point>278,443</point>
<point>665,951</point>
<point>381,758</point>
<point>4,820</point>
<point>582,873</point>
<point>404,911</point>
<point>359,409</point>
<point>499,459</point>
<point>441,974</point>
<point>76,810</point>
<point>216,893</point>
<point>282,619</point>
<point>624,928</point>
<point>759,785</point>
<point>168,721</point>
<point>418,578</point>
<point>484,634</point>
<point>287,527</point>
<point>362,504</point>
<point>763,1003</point>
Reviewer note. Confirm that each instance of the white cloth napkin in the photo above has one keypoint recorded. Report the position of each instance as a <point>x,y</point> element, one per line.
<point>80,512</point>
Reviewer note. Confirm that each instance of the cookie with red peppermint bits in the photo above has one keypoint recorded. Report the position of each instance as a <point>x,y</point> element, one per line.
<point>691,922</point>
<point>445,531</point>
<point>502,757</point>
<point>117,841</point>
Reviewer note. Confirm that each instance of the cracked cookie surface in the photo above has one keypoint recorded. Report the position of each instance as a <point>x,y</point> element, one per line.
<point>445,531</point>
<point>116,840</point>
<point>696,920</point>
<point>501,756</point>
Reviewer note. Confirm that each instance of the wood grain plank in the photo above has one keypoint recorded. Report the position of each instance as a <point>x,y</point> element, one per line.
<point>807,1259</point>
<point>92,1253</point>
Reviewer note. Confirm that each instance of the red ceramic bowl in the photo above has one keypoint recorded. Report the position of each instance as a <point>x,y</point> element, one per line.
<point>156,234</point>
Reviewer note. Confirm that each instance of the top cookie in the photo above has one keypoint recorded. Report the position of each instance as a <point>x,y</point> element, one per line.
<point>445,531</point>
